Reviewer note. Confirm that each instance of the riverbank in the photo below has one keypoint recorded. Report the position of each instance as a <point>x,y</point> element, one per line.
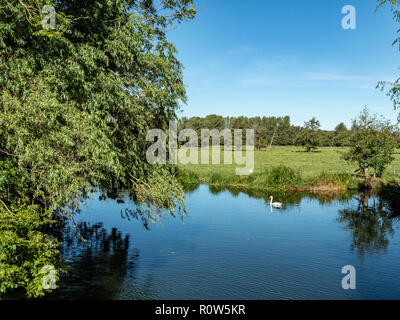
<point>280,178</point>
<point>289,169</point>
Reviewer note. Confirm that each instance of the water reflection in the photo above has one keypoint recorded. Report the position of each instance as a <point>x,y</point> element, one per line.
<point>370,224</point>
<point>369,216</point>
<point>390,195</point>
<point>97,262</point>
<point>208,256</point>
<point>287,198</point>
<point>148,216</point>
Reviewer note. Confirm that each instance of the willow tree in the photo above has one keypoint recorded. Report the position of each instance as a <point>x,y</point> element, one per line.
<point>77,100</point>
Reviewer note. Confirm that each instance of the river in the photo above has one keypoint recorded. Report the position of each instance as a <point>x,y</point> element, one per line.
<point>231,246</point>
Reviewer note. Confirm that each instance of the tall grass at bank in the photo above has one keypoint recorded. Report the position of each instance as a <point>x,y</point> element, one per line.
<point>290,168</point>
<point>334,181</point>
<point>283,178</point>
<point>188,179</point>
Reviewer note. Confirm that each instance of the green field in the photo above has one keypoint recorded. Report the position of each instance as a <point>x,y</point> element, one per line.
<point>326,160</point>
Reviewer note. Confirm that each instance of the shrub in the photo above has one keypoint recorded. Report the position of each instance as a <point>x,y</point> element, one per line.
<point>25,250</point>
<point>282,177</point>
<point>188,179</point>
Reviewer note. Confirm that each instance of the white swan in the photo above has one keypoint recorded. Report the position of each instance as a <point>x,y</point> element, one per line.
<point>274,204</point>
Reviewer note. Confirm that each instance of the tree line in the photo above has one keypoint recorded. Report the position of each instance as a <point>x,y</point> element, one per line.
<point>277,131</point>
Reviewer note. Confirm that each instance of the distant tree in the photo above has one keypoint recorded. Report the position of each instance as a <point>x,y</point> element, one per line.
<point>213,121</point>
<point>341,135</point>
<point>326,138</point>
<point>260,137</point>
<point>371,144</point>
<point>284,133</point>
<point>273,136</point>
<point>309,136</point>
<point>264,129</point>
<point>240,123</point>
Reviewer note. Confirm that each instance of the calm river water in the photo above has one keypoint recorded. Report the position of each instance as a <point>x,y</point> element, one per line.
<point>231,246</point>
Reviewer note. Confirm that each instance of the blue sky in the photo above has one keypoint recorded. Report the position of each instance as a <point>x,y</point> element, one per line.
<point>275,58</point>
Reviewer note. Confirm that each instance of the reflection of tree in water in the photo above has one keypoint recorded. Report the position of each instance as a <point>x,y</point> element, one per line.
<point>288,198</point>
<point>96,267</point>
<point>147,215</point>
<point>371,225</point>
<point>390,195</point>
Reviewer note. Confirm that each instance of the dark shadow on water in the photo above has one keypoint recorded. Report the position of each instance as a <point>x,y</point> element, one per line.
<point>97,267</point>
<point>370,223</point>
<point>390,196</point>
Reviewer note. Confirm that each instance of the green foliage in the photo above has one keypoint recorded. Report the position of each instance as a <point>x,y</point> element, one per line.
<point>328,161</point>
<point>334,181</point>
<point>326,138</point>
<point>188,179</point>
<point>218,178</point>
<point>341,135</point>
<point>160,194</point>
<point>75,107</point>
<point>371,144</point>
<point>260,137</point>
<point>396,136</point>
<point>277,178</point>
<point>309,136</point>
<point>25,249</point>
<point>264,127</point>
<point>283,177</point>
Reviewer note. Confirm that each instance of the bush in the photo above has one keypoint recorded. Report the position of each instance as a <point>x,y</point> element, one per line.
<point>25,250</point>
<point>283,177</point>
<point>220,179</point>
<point>188,179</point>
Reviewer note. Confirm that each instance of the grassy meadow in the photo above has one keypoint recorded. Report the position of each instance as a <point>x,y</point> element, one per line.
<point>290,166</point>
